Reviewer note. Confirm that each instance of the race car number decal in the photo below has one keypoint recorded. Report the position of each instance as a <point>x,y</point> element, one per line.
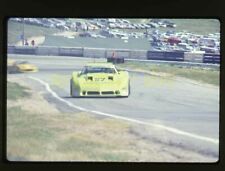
<point>99,79</point>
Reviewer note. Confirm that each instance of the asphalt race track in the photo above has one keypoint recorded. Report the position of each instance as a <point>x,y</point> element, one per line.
<point>172,103</point>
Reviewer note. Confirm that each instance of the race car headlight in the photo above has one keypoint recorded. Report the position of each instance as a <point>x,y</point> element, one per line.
<point>124,88</point>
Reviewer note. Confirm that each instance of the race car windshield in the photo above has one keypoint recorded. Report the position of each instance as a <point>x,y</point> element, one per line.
<point>98,70</point>
<point>23,62</point>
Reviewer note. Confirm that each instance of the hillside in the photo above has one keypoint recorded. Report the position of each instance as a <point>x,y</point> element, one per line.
<point>15,29</point>
<point>197,26</point>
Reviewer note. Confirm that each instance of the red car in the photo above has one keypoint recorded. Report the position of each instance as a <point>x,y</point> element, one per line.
<point>173,40</point>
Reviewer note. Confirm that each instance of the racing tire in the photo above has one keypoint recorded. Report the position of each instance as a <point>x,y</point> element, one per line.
<point>71,88</point>
<point>128,90</point>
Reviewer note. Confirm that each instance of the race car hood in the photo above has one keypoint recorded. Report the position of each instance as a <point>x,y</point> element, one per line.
<point>100,82</point>
<point>26,66</point>
<point>99,78</point>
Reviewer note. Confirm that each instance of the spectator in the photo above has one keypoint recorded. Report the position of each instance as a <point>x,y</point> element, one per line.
<point>113,54</point>
<point>26,43</point>
<point>32,42</point>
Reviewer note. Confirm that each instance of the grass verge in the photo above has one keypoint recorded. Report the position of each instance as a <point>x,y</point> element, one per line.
<point>50,135</point>
<point>16,91</point>
<point>210,76</point>
<point>42,136</point>
<point>62,137</point>
<point>15,29</point>
<point>197,26</point>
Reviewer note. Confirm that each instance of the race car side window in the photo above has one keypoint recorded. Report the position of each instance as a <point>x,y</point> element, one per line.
<point>110,70</point>
<point>84,70</point>
<point>116,70</point>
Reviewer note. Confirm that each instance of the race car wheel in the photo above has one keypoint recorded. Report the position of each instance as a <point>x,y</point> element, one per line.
<point>129,89</point>
<point>73,92</point>
<point>71,88</point>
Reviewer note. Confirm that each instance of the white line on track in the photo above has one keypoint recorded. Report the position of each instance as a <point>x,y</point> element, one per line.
<point>173,130</point>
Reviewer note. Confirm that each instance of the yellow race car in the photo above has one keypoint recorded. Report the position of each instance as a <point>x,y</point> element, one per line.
<point>20,66</point>
<point>100,80</point>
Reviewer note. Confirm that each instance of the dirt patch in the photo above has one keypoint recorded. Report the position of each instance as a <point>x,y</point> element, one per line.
<point>35,103</point>
<point>68,34</point>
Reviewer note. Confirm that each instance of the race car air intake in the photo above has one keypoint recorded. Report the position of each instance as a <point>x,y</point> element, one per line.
<point>110,78</point>
<point>90,78</point>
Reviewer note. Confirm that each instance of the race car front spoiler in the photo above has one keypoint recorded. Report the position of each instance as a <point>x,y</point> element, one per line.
<point>100,93</point>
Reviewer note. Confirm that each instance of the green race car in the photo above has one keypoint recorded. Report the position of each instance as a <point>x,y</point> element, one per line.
<point>100,80</point>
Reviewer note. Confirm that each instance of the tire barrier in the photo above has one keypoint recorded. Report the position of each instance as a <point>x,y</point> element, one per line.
<point>166,56</point>
<point>195,57</point>
<point>211,58</point>
<point>70,51</point>
<point>115,60</point>
<point>11,49</point>
<point>119,53</point>
<point>138,54</point>
<point>94,53</point>
<point>48,50</point>
<point>25,50</point>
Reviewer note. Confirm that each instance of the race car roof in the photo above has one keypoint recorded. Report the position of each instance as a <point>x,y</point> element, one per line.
<point>100,64</point>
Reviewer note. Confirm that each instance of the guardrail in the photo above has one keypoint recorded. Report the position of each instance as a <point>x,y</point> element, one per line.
<point>177,63</point>
<point>166,56</point>
<point>211,58</point>
<point>196,57</point>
